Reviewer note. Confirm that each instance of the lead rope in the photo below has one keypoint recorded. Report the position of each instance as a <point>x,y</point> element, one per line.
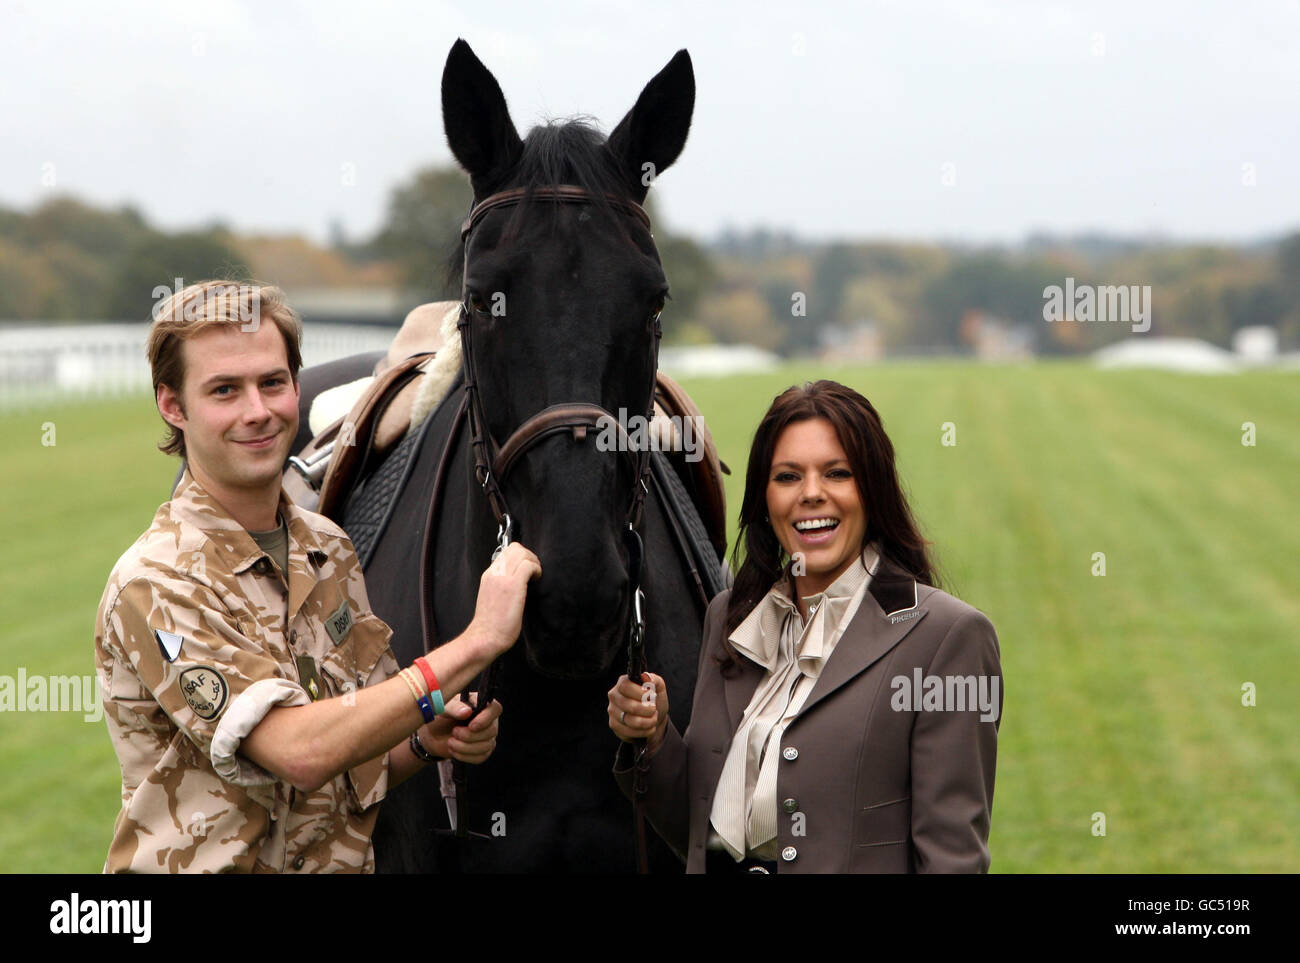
<point>486,693</point>
<point>636,665</point>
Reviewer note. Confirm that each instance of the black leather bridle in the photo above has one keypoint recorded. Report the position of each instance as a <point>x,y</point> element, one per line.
<point>493,462</point>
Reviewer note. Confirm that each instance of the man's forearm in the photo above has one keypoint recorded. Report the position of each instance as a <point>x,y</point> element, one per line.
<point>402,764</point>
<point>309,745</point>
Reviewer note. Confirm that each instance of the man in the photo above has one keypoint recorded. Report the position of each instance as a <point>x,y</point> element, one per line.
<point>250,692</point>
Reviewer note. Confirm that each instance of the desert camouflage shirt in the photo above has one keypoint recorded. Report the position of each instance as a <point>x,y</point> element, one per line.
<point>198,636</point>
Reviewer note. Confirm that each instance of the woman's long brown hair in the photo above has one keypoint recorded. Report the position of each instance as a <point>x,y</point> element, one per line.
<point>871,459</point>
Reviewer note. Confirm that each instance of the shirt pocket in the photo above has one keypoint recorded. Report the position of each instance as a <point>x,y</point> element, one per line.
<point>884,824</point>
<point>350,665</point>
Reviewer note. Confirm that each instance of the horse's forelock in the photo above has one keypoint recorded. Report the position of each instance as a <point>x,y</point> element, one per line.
<point>568,151</point>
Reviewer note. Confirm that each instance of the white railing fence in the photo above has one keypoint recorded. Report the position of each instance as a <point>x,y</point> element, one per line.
<point>69,362</point>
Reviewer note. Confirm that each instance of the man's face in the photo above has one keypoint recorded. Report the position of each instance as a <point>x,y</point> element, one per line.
<point>238,406</point>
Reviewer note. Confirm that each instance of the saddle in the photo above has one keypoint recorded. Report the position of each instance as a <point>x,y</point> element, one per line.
<point>321,475</point>
<point>340,455</point>
<point>380,413</point>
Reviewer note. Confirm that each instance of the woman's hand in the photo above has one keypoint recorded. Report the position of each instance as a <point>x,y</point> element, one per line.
<point>639,711</point>
<point>447,738</point>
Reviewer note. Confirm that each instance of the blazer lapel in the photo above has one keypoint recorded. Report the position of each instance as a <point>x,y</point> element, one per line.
<point>888,612</point>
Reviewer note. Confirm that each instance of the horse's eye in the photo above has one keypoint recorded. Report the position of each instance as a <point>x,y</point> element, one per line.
<point>657,308</point>
<point>477,304</point>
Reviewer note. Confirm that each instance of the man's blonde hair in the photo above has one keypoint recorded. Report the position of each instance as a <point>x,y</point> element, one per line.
<point>239,304</point>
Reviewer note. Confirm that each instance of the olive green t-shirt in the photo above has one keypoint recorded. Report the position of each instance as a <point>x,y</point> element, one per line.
<point>275,543</point>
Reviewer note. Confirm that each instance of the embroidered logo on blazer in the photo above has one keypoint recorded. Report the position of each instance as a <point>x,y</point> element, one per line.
<point>904,616</point>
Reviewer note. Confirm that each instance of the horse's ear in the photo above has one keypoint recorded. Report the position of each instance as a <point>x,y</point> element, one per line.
<point>480,133</point>
<point>649,138</point>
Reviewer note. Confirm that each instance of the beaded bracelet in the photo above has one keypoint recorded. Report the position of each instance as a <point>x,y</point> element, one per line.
<point>412,680</point>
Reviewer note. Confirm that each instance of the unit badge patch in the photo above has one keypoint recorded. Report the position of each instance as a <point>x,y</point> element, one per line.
<point>205,691</point>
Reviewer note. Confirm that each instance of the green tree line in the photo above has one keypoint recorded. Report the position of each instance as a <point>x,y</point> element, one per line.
<point>69,260</point>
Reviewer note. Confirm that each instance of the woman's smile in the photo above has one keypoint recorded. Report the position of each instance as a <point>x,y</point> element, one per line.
<point>816,531</point>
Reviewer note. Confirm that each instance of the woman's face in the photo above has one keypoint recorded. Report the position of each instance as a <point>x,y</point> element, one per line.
<point>813,503</point>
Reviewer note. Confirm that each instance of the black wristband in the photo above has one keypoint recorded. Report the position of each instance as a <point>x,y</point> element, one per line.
<point>417,747</point>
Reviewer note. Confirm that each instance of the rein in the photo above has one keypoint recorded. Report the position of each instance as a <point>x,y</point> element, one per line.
<point>493,462</point>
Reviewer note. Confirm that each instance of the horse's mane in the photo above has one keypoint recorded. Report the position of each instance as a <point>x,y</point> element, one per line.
<point>567,151</point>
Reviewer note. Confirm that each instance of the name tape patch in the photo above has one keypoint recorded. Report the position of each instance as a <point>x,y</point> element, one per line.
<point>339,624</point>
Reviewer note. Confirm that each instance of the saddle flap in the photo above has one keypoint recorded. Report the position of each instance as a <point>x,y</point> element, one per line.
<point>365,428</point>
<point>703,476</point>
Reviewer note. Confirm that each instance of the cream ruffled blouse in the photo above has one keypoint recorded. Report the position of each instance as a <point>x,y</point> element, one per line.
<point>793,652</point>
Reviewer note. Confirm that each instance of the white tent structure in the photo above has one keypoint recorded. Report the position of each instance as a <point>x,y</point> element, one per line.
<point>1188,355</point>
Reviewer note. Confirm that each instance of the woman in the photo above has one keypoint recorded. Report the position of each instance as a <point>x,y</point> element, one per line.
<point>846,710</point>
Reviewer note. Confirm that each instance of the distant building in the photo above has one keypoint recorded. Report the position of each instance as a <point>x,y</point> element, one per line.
<point>382,305</point>
<point>997,339</point>
<point>849,343</point>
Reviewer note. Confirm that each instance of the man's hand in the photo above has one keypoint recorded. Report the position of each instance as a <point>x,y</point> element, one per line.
<point>446,738</point>
<point>499,611</point>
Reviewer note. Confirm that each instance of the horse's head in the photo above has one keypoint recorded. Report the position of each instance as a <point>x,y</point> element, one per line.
<point>561,307</point>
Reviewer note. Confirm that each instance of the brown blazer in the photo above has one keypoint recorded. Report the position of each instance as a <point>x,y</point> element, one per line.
<point>868,782</point>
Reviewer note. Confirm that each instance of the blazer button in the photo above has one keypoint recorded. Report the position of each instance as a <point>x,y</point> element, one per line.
<point>789,805</point>
<point>790,753</point>
<point>789,853</point>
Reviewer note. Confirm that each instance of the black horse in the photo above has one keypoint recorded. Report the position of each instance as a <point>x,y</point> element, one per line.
<point>562,302</point>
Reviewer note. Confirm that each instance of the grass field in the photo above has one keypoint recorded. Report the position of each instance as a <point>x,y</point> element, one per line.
<point>1123,692</point>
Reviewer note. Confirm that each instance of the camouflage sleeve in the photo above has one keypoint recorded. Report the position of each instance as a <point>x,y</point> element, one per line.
<point>199,664</point>
<point>246,711</point>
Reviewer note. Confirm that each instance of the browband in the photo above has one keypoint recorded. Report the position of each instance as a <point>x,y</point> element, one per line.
<point>561,193</point>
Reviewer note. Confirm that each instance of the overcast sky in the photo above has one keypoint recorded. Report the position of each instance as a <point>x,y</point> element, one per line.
<point>975,121</point>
